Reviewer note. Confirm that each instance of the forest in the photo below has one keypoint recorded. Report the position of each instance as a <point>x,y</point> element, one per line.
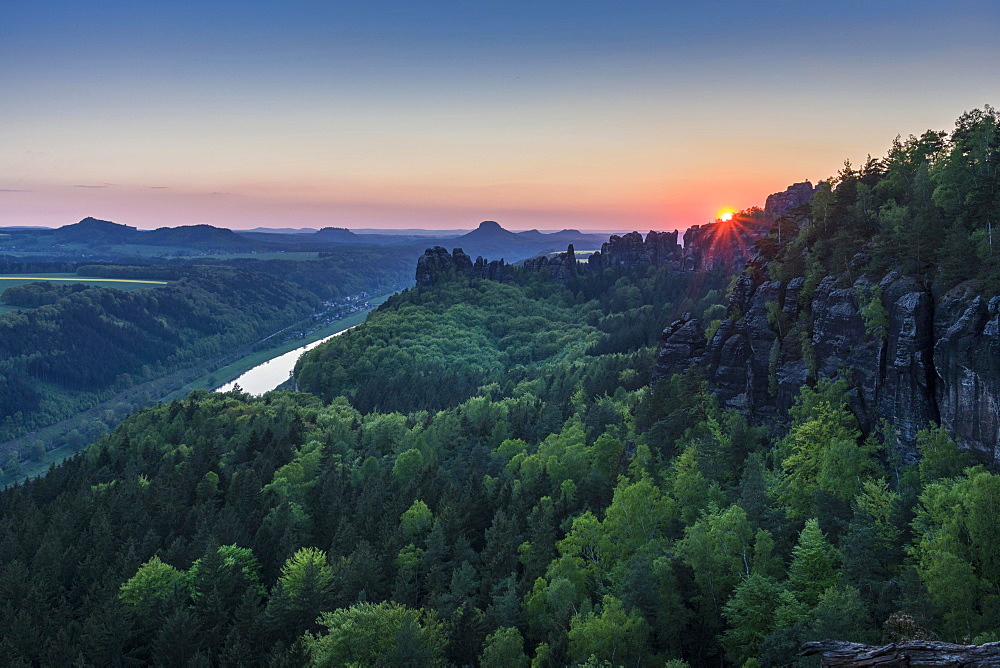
<point>484,474</point>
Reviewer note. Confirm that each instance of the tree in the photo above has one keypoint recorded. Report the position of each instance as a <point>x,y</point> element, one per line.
<point>813,567</point>
<point>611,635</point>
<point>940,456</point>
<point>504,648</point>
<point>156,586</point>
<point>417,519</point>
<point>750,613</point>
<point>304,589</point>
<point>955,548</point>
<point>821,449</point>
<point>719,549</point>
<point>377,634</point>
<point>841,614</point>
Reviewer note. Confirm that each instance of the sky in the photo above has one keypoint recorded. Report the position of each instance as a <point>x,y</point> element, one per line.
<point>549,115</point>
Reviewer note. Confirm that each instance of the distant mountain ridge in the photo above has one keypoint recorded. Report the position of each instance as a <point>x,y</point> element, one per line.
<point>96,231</point>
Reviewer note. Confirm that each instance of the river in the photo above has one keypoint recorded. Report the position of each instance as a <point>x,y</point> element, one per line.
<point>272,373</point>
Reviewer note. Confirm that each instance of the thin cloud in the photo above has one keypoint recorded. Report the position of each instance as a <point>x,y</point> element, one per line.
<point>103,185</point>
<point>14,190</point>
<point>158,187</point>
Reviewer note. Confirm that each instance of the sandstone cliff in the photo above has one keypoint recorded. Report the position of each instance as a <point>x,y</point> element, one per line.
<point>912,356</point>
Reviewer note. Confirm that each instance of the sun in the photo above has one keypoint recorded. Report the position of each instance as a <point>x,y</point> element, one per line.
<point>726,215</point>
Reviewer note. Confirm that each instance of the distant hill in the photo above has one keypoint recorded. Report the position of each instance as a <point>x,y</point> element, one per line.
<point>93,230</point>
<point>489,230</point>
<point>340,234</point>
<point>200,236</point>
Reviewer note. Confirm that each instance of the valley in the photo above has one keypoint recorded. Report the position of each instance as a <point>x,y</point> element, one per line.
<point>779,433</point>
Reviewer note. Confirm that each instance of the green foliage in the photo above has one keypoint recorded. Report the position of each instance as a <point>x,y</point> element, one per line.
<point>821,450</point>
<point>955,549</point>
<point>377,634</point>
<point>504,648</point>
<point>841,613</point>
<point>940,456</point>
<point>612,635</point>
<point>927,208</point>
<point>813,568</point>
<point>875,315</point>
<point>719,548</point>
<point>750,613</point>
<point>417,519</point>
<point>85,344</point>
<point>154,584</point>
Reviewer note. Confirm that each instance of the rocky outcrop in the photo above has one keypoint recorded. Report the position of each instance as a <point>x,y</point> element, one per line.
<point>917,359</point>
<point>659,249</point>
<point>437,264</point>
<point>797,194</point>
<point>561,267</point>
<point>683,340</point>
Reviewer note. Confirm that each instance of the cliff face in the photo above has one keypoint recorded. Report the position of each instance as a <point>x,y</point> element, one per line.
<point>926,359</point>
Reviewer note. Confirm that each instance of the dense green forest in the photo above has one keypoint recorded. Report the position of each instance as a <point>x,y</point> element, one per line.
<point>482,474</point>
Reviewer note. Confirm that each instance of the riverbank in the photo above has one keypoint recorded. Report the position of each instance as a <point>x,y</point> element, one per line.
<point>227,374</point>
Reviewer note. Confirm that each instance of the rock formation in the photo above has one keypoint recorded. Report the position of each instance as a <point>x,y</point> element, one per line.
<point>797,194</point>
<point>932,359</point>
<point>436,264</point>
<point>659,249</point>
<point>561,267</point>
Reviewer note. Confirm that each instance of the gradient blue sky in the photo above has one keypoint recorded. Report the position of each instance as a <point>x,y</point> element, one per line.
<point>441,114</point>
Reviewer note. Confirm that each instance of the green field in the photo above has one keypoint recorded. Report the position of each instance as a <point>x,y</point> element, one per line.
<point>10,280</point>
